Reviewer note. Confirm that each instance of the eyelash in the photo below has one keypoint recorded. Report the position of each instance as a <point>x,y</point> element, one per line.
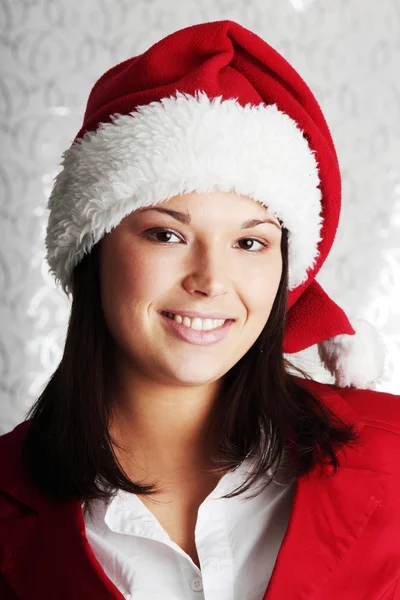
<point>163,230</point>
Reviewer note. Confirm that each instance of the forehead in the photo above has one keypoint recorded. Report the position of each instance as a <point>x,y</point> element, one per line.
<point>230,205</point>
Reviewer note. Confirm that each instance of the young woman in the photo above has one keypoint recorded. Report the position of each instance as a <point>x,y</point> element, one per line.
<point>175,452</point>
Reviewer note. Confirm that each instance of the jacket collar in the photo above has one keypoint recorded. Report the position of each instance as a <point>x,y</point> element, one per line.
<point>44,552</point>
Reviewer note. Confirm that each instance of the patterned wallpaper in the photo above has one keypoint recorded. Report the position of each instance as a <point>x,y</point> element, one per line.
<point>51,54</point>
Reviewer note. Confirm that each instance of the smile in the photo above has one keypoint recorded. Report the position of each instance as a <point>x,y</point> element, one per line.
<point>196,323</point>
<point>193,331</point>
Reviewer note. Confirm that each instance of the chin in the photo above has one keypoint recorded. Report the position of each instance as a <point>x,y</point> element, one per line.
<point>196,376</point>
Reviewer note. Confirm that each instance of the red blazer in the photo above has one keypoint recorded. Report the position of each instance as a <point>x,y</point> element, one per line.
<point>342,541</point>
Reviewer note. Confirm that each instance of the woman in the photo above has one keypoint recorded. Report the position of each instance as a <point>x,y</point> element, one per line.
<point>174,453</point>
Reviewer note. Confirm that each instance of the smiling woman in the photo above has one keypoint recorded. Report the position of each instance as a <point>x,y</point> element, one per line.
<point>176,449</point>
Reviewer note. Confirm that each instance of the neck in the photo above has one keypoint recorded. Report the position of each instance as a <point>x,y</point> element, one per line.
<point>164,430</point>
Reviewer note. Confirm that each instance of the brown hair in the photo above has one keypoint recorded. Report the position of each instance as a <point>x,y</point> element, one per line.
<point>263,410</point>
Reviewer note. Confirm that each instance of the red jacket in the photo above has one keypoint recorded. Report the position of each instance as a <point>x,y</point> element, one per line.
<point>342,541</point>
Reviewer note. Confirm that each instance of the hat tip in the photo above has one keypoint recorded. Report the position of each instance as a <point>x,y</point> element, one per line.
<point>355,360</point>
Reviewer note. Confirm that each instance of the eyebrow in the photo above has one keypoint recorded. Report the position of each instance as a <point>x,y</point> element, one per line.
<point>185,218</point>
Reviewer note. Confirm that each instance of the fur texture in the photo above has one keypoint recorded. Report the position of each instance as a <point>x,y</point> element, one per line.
<point>182,144</point>
<point>355,360</point>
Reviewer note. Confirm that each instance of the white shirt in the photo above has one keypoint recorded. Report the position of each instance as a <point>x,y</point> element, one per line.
<point>237,542</point>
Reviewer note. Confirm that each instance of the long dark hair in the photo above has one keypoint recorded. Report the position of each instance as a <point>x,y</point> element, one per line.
<point>264,410</point>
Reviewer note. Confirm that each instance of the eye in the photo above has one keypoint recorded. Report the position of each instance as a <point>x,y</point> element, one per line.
<point>262,244</point>
<point>160,232</point>
<point>155,234</point>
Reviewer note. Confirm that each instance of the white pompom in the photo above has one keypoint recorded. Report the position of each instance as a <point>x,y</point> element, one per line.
<point>355,360</point>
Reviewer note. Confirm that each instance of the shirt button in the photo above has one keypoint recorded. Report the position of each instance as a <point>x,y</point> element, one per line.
<point>196,584</point>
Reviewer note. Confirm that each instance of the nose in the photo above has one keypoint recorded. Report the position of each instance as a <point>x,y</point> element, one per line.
<point>208,274</point>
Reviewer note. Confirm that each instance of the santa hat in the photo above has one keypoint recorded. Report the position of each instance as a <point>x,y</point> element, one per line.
<point>214,107</point>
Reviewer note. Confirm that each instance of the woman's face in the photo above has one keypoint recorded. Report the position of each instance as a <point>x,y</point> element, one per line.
<point>152,262</point>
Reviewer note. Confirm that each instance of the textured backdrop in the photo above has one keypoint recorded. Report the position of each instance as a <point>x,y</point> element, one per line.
<point>51,54</point>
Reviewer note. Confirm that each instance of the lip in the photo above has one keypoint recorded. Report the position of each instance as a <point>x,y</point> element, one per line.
<point>192,314</point>
<point>193,336</point>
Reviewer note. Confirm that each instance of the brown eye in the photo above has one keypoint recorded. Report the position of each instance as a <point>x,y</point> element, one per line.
<point>252,240</point>
<point>156,234</point>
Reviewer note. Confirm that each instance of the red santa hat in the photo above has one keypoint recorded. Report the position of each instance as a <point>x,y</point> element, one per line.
<point>214,107</point>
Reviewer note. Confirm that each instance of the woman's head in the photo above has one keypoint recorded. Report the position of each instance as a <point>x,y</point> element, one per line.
<point>217,253</point>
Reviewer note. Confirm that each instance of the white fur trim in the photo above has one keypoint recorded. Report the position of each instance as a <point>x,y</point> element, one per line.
<point>182,144</point>
<point>355,360</point>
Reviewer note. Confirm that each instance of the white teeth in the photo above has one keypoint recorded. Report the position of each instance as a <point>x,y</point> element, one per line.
<point>186,321</point>
<point>196,323</point>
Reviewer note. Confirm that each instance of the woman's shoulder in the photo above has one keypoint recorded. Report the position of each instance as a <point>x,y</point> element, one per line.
<point>16,435</point>
<point>371,407</point>
<point>14,482</point>
<point>12,442</point>
<point>375,416</point>
<point>11,446</point>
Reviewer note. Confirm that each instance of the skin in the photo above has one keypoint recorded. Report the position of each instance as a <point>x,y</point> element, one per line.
<point>166,388</point>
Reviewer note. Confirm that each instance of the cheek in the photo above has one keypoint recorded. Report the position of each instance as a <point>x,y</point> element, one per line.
<point>146,277</point>
<point>129,277</point>
<point>261,289</point>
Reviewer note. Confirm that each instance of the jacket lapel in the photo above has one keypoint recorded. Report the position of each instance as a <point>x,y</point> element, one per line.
<point>44,552</point>
<point>50,557</point>
<point>328,516</point>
